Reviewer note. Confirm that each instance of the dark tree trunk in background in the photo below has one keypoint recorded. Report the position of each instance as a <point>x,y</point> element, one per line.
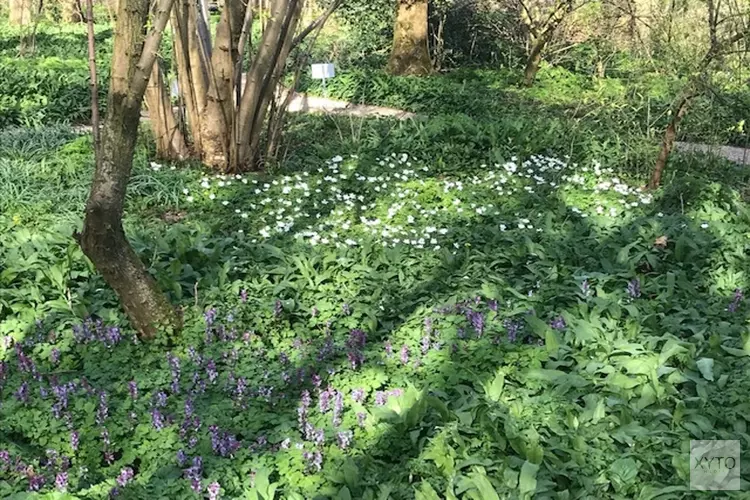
<point>410,54</point>
<point>103,239</point>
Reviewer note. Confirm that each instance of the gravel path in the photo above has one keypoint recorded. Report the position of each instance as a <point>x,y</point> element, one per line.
<point>731,153</point>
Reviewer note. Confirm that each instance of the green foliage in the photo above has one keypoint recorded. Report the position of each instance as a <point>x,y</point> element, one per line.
<point>568,386</point>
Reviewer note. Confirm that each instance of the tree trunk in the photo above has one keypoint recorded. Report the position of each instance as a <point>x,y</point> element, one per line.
<point>262,79</point>
<point>70,11</point>
<point>669,137</point>
<point>103,239</point>
<point>20,12</point>
<point>170,143</point>
<point>218,113</point>
<point>534,60</point>
<point>410,54</point>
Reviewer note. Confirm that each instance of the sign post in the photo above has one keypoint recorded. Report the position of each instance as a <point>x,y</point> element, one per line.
<point>323,72</point>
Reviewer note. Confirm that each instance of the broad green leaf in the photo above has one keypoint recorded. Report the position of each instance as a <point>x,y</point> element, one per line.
<point>527,479</point>
<point>706,367</point>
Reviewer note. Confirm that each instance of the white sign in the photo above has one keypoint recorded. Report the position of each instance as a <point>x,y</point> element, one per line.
<point>323,71</point>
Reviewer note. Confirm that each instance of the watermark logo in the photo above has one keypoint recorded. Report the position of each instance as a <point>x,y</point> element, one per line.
<point>714,465</point>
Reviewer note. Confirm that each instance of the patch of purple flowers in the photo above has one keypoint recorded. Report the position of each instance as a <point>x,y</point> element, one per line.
<point>634,288</point>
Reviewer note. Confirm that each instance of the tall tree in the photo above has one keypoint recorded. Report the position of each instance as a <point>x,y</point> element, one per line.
<point>225,108</point>
<point>103,239</point>
<point>410,53</point>
<point>542,18</point>
<point>698,82</point>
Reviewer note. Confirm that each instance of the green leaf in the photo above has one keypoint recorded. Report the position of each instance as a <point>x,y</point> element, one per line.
<point>484,486</point>
<point>527,479</point>
<point>494,389</point>
<point>426,492</point>
<point>623,473</point>
<point>706,367</point>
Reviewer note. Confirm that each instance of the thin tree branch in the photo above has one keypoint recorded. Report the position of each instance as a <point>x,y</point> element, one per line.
<point>142,72</point>
<point>318,22</point>
<point>92,75</point>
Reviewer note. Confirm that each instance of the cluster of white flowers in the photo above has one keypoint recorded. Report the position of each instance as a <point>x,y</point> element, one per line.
<point>341,204</point>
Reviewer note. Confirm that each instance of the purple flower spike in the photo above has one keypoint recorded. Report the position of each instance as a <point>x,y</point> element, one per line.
<point>558,323</point>
<point>213,491</point>
<point>344,439</point>
<point>634,288</point>
<point>61,481</point>
<point>404,354</point>
<point>125,477</point>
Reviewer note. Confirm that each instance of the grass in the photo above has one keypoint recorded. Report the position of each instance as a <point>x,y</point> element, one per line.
<point>485,331</point>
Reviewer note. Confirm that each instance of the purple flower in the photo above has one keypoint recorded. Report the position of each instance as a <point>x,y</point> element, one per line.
<point>223,443</point>
<point>189,408</point>
<point>194,473</point>
<point>325,400</point>
<point>404,354</point>
<point>105,437</point>
<point>126,475</point>
<point>425,344</point>
<point>476,319</point>
<point>210,316</point>
<point>319,437</point>
<point>133,389</point>
<point>327,350</point>
<point>346,309</point>
<point>213,491</point>
<point>558,323</point>
<point>380,398</point>
<point>36,482</point>
<point>74,440</point>
<point>5,459</point>
<point>738,297</point>
<point>181,457</point>
<point>55,356</point>
<point>634,288</point>
<point>22,394</point>
<point>174,367</point>
<point>512,327</point>
<point>211,371</point>
<point>316,380</point>
<point>585,287</point>
<point>492,304</point>
<point>243,295</point>
<point>157,419</point>
<point>314,460</point>
<point>344,439</point>
<point>61,481</point>
<point>102,411</point>
<point>161,399</point>
<point>338,407</point>
<point>358,395</point>
<point>361,419</point>
<point>388,349</point>
<point>278,308</point>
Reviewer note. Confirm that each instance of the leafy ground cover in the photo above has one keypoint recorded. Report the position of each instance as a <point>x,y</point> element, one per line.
<point>397,312</point>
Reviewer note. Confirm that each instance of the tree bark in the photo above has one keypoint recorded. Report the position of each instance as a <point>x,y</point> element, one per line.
<point>670,134</point>
<point>410,54</point>
<point>262,79</point>
<point>534,60</point>
<point>170,143</point>
<point>218,112</point>
<point>70,11</point>
<point>103,239</point>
